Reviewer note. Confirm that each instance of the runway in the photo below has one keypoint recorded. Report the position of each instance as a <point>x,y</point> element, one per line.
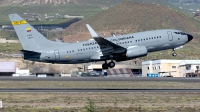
<point>146,79</point>
<point>55,90</point>
<point>176,79</point>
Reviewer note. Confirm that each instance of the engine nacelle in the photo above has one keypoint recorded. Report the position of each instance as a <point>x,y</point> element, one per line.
<point>136,51</point>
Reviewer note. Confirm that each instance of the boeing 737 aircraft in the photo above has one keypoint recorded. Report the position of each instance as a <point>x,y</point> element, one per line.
<point>119,48</point>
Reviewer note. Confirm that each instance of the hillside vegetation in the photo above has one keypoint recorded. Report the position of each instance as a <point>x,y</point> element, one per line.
<point>64,7</point>
<point>130,17</point>
<point>57,2</point>
<point>69,9</point>
<point>136,17</point>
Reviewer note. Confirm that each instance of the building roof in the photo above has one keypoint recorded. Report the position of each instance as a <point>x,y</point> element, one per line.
<point>189,62</point>
<point>180,62</point>
<point>7,66</point>
<point>160,61</point>
<point>99,66</point>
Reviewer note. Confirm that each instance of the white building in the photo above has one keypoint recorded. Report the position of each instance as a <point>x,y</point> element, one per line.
<point>19,72</point>
<point>175,68</point>
<point>190,68</point>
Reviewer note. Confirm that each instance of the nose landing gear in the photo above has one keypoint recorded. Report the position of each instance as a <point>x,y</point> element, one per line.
<point>174,53</point>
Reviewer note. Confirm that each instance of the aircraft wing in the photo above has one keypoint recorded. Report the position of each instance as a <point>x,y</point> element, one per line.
<point>106,46</point>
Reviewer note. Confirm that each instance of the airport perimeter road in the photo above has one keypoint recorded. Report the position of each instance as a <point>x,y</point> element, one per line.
<point>94,90</point>
<point>176,79</point>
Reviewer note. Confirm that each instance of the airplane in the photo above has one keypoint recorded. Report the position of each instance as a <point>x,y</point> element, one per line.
<point>115,48</point>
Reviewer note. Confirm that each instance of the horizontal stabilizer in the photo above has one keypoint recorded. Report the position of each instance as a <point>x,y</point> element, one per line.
<point>29,52</point>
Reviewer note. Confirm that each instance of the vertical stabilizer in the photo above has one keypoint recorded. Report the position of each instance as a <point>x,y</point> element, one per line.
<point>29,37</point>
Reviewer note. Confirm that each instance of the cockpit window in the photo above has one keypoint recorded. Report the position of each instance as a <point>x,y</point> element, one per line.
<point>177,32</point>
<point>183,33</point>
<point>180,33</point>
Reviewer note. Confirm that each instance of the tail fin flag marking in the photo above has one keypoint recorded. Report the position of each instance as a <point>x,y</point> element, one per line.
<point>28,29</point>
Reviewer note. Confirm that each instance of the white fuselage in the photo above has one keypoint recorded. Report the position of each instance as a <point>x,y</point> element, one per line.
<point>82,52</point>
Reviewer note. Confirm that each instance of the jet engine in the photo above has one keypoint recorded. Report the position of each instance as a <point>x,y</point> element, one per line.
<point>136,51</point>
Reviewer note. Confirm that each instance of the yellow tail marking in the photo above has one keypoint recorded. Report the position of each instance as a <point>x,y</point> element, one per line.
<point>19,22</point>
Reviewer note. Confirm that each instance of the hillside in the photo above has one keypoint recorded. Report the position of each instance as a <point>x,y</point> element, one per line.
<point>64,7</point>
<point>130,17</point>
<point>58,2</point>
<point>52,7</point>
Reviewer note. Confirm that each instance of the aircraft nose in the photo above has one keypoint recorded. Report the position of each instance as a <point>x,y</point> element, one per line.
<point>190,37</point>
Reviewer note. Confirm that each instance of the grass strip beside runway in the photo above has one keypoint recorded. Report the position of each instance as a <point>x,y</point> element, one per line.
<point>101,102</point>
<point>101,84</point>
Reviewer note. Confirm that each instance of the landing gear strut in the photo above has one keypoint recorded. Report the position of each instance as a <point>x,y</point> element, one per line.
<point>174,53</point>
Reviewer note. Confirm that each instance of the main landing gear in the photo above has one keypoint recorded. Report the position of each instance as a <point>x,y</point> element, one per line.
<point>107,65</point>
<point>174,53</point>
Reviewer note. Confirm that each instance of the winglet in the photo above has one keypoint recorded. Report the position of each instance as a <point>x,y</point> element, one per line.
<point>92,32</point>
